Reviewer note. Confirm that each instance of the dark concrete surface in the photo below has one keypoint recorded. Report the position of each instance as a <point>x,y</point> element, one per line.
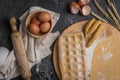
<point>18,7</point>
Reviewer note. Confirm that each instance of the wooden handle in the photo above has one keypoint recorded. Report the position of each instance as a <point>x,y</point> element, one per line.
<point>19,51</point>
<point>13,23</point>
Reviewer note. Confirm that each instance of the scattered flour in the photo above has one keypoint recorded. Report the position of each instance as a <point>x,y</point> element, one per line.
<point>102,76</point>
<point>90,51</point>
<point>107,56</point>
<point>61,4</point>
<point>103,49</point>
<point>57,2</point>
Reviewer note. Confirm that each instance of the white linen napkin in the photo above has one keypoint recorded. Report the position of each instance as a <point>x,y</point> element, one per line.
<point>36,49</point>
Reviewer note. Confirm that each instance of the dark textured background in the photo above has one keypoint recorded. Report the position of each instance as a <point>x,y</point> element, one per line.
<point>18,7</point>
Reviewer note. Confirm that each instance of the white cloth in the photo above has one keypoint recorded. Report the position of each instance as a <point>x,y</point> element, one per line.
<point>36,49</point>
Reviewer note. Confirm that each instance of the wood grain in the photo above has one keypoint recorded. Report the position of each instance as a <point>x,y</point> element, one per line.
<point>19,51</point>
<point>108,30</point>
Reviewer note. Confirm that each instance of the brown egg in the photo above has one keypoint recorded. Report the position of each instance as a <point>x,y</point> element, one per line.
<point>34,28</point>
<point>44,16</point>
<point>45,27</point>
<point>35,20</point>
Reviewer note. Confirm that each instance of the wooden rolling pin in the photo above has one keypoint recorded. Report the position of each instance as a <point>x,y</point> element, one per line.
<point>19,51</point>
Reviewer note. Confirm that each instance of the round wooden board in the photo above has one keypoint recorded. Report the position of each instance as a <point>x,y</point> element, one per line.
<point>77,27</point>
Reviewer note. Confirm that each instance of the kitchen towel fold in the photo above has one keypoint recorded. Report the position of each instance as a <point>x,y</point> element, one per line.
<point>36,49</point>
